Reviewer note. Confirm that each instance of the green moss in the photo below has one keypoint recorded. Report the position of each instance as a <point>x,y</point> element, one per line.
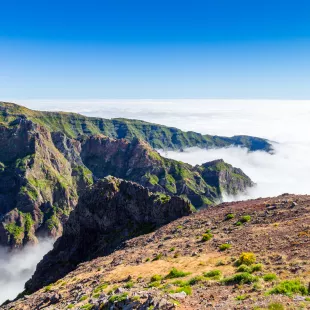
<point>14,230</point>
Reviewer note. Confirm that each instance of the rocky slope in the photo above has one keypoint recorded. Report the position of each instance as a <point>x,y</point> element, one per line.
<point>245,255</point>
<point>43,172</point>
<point>110,212</point>
<point>158,136</point>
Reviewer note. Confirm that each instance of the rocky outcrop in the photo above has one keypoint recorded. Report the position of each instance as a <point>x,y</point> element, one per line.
<point>38,186</point>
<point>227,179</point>
<point>109,213</point>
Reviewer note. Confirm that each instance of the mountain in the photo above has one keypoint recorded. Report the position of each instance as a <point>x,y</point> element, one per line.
<point>43,173</point>
<point>242,255</point>
<point>158,136</point>
<point>110,212</point>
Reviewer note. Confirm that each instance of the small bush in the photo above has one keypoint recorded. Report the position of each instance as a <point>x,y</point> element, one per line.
<point>212,274</point>
<point>195,280</point>
<point>269,277</point>
<point>185,289</point>
<point>245,219</point>
<point>156,277</point>
<point>206,237</point>
<point>100,288</point>
<point>48,288</point>
<point>238,223</point>
<point>229,216</point>
<point>172,249</point>
<point>129,284</point>
<point>256,267</point>
<point>241,297</point>
<point>246,258</point>
<point>154,284</point>
<point>244,268</point>
<point>289,288</point>
<point>240,278</point>
<point>118,298</point>
<point>175,273</point>
<point>70,306</point>
<point>224,246</point>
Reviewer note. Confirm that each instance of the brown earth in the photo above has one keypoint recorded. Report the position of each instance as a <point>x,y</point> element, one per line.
<point>278,233</point>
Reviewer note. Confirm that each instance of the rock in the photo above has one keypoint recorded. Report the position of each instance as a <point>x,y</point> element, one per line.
<point>109,213</point>
<point>180,295</point>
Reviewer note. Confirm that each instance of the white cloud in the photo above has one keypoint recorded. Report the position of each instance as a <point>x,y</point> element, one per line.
<point>18,266</point>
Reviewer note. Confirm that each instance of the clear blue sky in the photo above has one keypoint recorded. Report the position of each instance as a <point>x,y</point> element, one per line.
<point>155,49</point>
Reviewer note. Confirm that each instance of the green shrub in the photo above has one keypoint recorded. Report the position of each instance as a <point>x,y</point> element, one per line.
<point>212,274</point>
<point>118,298</point>
<point>175,273</point>
<point>238,223</point>
<point>269,277</point>
<point>229,216</point>
<point>156,277</point>
<point>154,284</point>
<point>246,258</point>
<point>206,237</point>
<point>240,278</point>
<point>100,288</point>
<point>256,267</point>
<point>224,246</point>
<point>70,306</point>
<point>195,280</point>
<point>172,249</point>
<point>83,298</point>
<point>289,288</point>
<point>185,289</point>
<point>241,297</point>
<point>245,219</point>
<point>129,284</point>
<point>244,268</point>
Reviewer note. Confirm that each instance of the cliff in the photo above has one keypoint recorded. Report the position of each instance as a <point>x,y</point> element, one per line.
<point>109,213</point>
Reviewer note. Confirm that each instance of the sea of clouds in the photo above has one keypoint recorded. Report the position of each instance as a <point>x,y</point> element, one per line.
<point>288,170</point>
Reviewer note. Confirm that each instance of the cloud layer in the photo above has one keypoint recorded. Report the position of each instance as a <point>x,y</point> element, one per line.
<point>17,267</point>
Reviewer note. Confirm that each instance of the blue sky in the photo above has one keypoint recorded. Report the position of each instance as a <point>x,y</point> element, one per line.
<point>155,49</point>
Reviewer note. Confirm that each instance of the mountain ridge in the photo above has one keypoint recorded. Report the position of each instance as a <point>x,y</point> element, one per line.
<point>158,136</point>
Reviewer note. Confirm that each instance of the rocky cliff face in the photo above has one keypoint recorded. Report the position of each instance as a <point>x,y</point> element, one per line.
<point>111,212</point>
<point>43,171</point>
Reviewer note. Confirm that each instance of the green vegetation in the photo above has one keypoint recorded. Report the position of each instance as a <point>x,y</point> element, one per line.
<point>269,277</point>
<point>175,273</point>
<point>129,284</point>
<point>14,230</point>
<point>206,237</point>
<point>224,246</point>
<point>241,297</point>
<point>245,219</point>
<point>275,306</point>
<point>229,216</point>
<point>118,297</point>
<point>246,258</point>
<point>213,274</point>
<point>156,277</point>
<point>240,278</point>
<point>83,298</point>
<point>158,257</point>
<point>87,307</point>
<point>289,288</point>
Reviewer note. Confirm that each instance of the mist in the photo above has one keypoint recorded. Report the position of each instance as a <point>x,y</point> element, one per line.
<point>17,267</point>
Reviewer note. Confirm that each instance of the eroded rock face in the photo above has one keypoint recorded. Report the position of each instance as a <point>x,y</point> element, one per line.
<point>109,213</point>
